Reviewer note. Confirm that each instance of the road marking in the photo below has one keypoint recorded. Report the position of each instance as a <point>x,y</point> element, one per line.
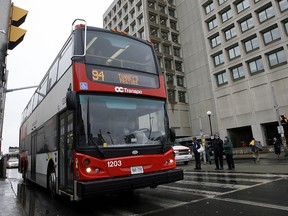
<point>258,204</point>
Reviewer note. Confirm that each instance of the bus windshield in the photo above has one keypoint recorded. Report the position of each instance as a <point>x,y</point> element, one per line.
<point>116,121</point>
<point>120,51</point>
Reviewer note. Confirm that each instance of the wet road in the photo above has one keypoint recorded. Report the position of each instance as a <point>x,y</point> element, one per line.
<point>200,193</point>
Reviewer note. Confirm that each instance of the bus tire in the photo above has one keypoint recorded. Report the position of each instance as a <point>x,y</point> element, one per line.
<point>52,183</point>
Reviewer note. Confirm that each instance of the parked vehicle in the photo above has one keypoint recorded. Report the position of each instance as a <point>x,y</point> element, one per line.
<point>12,162</point>
<point>183,154</point>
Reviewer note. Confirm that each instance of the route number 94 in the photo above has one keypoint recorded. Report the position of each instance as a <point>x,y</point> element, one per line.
<point>116,163</point>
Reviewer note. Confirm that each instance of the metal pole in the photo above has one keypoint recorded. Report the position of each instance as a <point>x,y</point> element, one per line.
<point>281,130</point>
<point>209,116</point>
<point>4,24</point>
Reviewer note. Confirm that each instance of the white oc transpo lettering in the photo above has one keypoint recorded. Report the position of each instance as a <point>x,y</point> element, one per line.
<point>127,90</point>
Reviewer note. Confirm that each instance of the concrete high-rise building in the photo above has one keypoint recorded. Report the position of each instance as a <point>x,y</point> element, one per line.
<point>235,62</point>
<point>156,20</point>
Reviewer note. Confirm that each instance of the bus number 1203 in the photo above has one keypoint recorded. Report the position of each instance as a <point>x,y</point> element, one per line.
<point>116,163</point>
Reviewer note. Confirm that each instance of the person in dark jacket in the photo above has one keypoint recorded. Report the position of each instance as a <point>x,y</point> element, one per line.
<point>228,150</point>
<point>277,146</point>
<point>196,146</point>
<point>218,151</point>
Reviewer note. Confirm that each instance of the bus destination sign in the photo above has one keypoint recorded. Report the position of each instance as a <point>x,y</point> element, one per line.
<point>122,77</point>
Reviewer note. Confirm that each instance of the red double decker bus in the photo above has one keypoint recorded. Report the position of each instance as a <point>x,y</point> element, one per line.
<point>97,123</point>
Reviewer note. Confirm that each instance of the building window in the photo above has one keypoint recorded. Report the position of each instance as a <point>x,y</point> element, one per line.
<point>126,20</point>
<point>180,81</point>
<point>140,19</point>
<point>178,66</point>
<point>177,51</point>
<point>242,5</point>
<point>139,6</point>
<point>175,38</point>
<point>251,44</point>
<point>237,72</point>
<point>226,15</point>
<point>266,14</point>
<point>166,49</point>
<point>170,80</point>
<point>133,27</point>
<point>230,32</point>
<point>162,8</point>
<point>215,40</point>
<point>154,31</point>
<point>151,5</point>
<point>182,96</point>
<point>218,59</point>
<point>286,26</point>
<point>164,35</point>
<point>141,33</point>
<point>119,3</point>
<point>247,24</point>
<point>283,4</point>
<point>171,2</point>
<point>120,14</point>
<point>221,78</point>
<point>173,25</point>
<point>209,7</point>
<point>271,35</point>
<point>156,46</point>
<point>212,24</point>
<point>234,52</point>
<point>171,12</point>
<point>256,65</point>
<point>171,95</point>
<point>132,12</point>
<point>153,17</point>
<point>277,58</point>
<point>120,25</point>
<point>163,21</point>
<point>168,64</point>
<point>221,1</point>
<point>125,8</point>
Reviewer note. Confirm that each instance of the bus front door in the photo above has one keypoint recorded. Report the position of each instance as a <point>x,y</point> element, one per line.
<point>33,156</point>
<point>66,161</point>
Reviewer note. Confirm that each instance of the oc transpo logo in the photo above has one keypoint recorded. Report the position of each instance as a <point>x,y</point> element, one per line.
<point>127,90</point>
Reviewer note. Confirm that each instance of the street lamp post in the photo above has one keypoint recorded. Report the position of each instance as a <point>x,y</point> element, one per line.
<point>209,117</point>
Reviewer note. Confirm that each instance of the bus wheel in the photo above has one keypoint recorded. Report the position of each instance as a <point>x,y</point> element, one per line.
<point>52,183</point>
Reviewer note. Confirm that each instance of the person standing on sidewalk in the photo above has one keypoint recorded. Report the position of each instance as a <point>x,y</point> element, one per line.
<point>277,146</point>
<point>255,147</point>
<point>228,150</point>
<point>218,152</point>
<point>196,146</point>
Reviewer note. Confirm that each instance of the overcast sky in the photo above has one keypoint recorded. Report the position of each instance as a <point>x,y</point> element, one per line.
<point>48,25</point>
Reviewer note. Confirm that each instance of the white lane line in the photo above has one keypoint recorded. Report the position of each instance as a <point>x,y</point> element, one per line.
<point>258,204</point>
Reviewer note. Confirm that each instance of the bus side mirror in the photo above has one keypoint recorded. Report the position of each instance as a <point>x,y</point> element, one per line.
<point>71,100</point>
<point>172,134</point>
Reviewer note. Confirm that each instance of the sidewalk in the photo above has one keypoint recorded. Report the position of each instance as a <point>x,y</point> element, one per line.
<point>9,204</point>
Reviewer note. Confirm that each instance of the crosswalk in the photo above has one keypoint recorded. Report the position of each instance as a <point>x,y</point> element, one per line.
<point>217,183</point>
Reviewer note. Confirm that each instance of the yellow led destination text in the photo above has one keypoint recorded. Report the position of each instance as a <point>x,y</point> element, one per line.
<point>96,75</point>
<point>129,79</point>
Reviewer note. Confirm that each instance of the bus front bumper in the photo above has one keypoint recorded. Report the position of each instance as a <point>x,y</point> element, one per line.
<point>87,189</point>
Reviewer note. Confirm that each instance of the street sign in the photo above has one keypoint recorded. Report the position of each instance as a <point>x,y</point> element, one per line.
<point>280,129</point>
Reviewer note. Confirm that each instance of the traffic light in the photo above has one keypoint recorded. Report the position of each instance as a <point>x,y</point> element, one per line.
<point>284,119</point>
<point>16,34</point>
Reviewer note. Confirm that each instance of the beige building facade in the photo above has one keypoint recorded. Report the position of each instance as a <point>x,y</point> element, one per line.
<point>235,61</point>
